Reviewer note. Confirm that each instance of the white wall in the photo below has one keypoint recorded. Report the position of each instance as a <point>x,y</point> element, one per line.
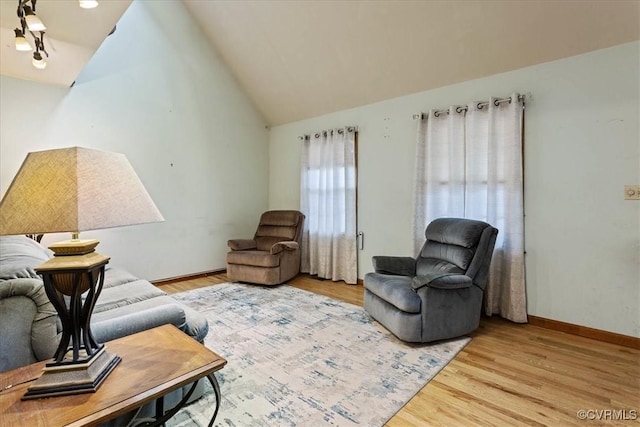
<point>582,145</point>
<point>156,92</point>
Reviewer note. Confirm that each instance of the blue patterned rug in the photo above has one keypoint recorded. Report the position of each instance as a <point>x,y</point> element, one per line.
<point>296,358</point>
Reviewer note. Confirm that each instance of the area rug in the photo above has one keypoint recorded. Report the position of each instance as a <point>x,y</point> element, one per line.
<point>296,358</point>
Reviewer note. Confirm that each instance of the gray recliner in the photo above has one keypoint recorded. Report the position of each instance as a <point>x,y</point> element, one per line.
<point>437,295</point>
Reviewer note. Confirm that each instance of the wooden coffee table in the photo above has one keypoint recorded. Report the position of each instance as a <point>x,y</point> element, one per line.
<point>154,363</point>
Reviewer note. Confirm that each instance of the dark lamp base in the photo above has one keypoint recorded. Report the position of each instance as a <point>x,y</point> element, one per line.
<point>75,378</point>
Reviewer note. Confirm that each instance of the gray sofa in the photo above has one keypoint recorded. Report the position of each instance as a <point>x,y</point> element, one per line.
<point>31,329</point>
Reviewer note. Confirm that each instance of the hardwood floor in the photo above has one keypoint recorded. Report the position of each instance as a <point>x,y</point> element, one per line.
<point>510,374</point>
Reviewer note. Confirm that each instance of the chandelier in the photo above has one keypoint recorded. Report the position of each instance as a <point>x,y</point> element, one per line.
<point>30,22</point>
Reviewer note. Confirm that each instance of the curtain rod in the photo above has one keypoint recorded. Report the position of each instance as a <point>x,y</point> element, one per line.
<point>324,132</point>
<point>479,106</point>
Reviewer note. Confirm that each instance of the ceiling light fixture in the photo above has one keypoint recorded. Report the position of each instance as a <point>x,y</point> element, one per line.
<point>30,22</point>
<point>21,42</point>
<point>33,22</point>
<point>38,61</point>
<point>88,4</point>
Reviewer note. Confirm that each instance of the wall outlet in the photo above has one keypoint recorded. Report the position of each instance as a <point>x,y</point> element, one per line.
<point>632,192</point>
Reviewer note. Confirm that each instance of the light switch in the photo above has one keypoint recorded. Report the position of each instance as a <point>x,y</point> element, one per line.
<point>632,192</point>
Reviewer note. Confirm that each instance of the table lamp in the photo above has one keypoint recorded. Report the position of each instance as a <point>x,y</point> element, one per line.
<point>72,190</point>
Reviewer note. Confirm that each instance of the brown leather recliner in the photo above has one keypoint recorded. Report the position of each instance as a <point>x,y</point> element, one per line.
<point>273,255</point>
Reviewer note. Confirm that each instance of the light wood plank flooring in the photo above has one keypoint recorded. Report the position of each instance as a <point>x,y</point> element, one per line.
<point>510,375</point>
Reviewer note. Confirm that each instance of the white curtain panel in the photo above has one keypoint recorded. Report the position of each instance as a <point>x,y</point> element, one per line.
<point>328,199</point>
<point>440,170</point>
<point>469,164</point>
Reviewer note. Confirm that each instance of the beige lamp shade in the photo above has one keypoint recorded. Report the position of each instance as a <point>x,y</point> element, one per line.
<point>75,189</point>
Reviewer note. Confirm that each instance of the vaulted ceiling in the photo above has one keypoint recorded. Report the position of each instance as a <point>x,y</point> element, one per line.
<point>301,59</point>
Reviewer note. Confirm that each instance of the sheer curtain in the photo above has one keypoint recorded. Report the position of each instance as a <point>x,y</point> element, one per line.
<point>469,164</point>
<point>440,170</point>
<point>328,199</point>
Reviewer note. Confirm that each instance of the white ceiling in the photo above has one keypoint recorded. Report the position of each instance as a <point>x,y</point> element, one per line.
<point>301,59</point>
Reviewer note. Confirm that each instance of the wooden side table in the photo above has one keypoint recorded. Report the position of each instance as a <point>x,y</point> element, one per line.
<point>154,363</point>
